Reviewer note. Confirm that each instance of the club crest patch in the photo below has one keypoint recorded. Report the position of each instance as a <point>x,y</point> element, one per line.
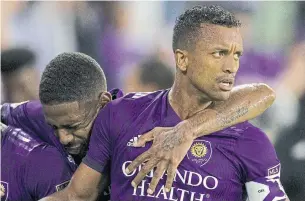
<point>200,152</point>
<point>61,186</point>
<point>4,190</point>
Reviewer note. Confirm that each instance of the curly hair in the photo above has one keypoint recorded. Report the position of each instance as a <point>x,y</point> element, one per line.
<point>71,77</point>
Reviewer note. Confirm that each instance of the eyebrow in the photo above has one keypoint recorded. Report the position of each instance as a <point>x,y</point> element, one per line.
<point>219,47</point>
<point>65,125</point>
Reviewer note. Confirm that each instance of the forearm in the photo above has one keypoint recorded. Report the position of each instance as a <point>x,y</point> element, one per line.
<point>246,102</point>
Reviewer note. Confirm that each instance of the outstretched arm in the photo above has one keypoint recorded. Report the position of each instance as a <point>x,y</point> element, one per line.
<point>246,102</point>
<point>170,145</point>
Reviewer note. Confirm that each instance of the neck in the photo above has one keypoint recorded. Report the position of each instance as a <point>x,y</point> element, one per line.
<point>186,100</point>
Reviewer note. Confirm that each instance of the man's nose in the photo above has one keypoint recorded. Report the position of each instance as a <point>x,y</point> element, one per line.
<point>64,136</point>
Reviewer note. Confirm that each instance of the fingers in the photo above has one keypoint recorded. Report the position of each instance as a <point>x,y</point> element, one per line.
<point>171,173</point>
<point>157,176</point>
<point>138,161</point>
<point>144,171</point>
<point>143,139</point>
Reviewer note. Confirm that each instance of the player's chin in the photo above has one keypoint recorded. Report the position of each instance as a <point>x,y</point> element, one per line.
<point>220,95</point>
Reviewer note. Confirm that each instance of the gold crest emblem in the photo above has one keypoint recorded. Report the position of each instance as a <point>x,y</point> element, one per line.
<point>199,150</point>
<point>2,189</point>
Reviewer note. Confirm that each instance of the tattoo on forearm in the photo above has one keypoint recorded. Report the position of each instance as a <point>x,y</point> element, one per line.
<point>225,120</point>
<point>172,140</point>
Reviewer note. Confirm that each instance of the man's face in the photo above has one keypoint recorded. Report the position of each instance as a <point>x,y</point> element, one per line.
<point>72,122</point>
<point>213,63</point>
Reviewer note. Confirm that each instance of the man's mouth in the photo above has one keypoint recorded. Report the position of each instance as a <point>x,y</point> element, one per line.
<point>226,84</point>
<point>73,149</point>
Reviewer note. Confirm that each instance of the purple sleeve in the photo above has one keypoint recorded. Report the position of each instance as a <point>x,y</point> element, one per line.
<point>46,172</point>
<point>98,154</point>
<point>12,113</point>
<point>261,167</point>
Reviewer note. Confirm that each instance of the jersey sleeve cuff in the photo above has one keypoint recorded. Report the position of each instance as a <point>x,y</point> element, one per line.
<point>93,164</point>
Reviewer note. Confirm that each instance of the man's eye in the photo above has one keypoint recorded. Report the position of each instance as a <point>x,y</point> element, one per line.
<point>70,127</point>
<point>236,56</point>
<point>219,54</point>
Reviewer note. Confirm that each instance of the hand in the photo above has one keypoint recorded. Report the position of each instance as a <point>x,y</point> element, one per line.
<point>169,147</point>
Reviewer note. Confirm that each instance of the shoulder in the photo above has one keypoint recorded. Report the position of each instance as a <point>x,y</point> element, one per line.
<point>255,152</point>
<point>255,138</point>
<point>130,105</point>
<point>244,133</point>
<point>46,157</point>
<point>137,98</point>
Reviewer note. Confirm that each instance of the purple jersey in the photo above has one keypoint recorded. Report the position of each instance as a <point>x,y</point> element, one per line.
<point>30,169</point>
<point>29,117</point>
<point>228,165</point>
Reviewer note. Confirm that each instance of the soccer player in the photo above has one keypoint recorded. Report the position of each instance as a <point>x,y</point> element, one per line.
<point>61,162</point>
<point>222,166</point>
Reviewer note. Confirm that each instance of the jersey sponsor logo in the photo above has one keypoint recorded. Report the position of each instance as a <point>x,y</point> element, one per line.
<point>200,152</point>
<point>133,140</point>
<point>4,190</point>
<point>189,179</point>
<point>61,186</point>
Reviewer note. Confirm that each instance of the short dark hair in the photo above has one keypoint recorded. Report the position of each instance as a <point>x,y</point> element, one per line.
<point>15,59</point>
<point>188,24</point>
<point>71,77</point>
<point>157,72</point>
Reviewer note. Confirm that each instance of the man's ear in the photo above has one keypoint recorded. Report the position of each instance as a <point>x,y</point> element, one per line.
<point>181,57</point>
<point>104,98</point>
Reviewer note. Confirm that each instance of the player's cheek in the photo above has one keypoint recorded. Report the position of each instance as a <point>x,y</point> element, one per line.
<point>82,134</point>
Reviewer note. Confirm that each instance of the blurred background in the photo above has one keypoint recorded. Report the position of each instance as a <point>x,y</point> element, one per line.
<point>132,43</point>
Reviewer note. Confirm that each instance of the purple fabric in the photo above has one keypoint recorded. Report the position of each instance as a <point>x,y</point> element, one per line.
<point>217,166</point>
<point>30,169</point>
